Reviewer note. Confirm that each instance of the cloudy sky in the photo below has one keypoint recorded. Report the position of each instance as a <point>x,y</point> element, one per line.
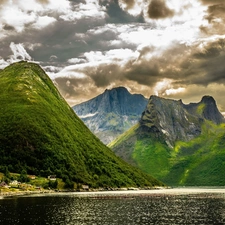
<point>170,48</point>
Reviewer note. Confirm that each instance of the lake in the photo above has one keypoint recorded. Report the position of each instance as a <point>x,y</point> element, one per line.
<point>169,206</point>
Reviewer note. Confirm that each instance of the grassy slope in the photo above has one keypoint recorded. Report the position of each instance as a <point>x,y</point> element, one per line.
<point>39,132</point>
<point>147,153</point>
<point>201,161</point>
<point>198,162</point>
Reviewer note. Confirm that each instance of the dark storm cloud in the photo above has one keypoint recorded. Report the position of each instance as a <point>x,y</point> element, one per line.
<point>117,15</point>
<point>8,27</point>
<point>69,39</point>
<point>192,65</point>
<point>149,72</point>
<point>77,90</point>
<point>2,2</point>
<point>212,2</point>
<point>43,1</point>
<point>146,73</point>
<point>209,53</point>
<point>195,65</point>
<point>216,18</point>
<point>181,63</point>
<point>104,74</point>
<point>130,3</point>
<point>77,1</point>
<point>59,39</point>
<point>158,9</point>
<point>142,71</point>
<point>216,11</point>
<point>185,66</point>
<point>208,65</point>
<point>103,40</point>
<point>69,87</point>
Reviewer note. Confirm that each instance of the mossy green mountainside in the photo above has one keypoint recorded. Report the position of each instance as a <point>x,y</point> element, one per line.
<point>41,134</point>
<point>177,143</point>
<point>111,113</point>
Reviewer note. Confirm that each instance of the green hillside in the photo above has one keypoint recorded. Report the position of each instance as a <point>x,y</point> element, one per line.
<point>196,162</point>
<point>40,133</point>
<point>199,162</point>
<point>202,160</point>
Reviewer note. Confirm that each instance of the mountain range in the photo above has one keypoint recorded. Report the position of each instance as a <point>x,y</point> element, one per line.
<point>177,143</point>
<point>42,135</point>
<point>111,113</point>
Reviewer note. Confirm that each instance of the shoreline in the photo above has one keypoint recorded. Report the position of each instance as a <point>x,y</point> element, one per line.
<point>122,192</point>
<point>21,193</point>
<point>8,193</point>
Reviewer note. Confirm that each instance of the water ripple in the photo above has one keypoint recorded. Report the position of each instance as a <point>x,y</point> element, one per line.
<point>201,208</point>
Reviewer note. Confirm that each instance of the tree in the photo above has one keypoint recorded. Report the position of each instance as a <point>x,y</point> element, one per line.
<point>6,172</point>
<point>23,177</point>
<point>53,184</point>
<point>6,177</point>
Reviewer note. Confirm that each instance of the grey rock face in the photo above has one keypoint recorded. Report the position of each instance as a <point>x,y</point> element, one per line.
<point>207,109</point>
<point>173,120</point>
<point>111,113</point>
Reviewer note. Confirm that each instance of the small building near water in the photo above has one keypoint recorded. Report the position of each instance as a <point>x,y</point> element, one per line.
<point>52,177</point>
<point>85,187</point>
<point>3,184</point>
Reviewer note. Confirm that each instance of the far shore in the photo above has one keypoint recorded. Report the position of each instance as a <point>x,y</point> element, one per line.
<point>9,193</point>
<point>122,192</point>
<point>19,193</point>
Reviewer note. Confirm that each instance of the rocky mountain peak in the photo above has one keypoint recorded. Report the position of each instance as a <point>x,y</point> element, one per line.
<point>210,111</point>
<point>119,100</point>
<point>120,89</point>
<point>174,120</point>
<point>112,112</point>
<point>208,99</point>
<point>206,109</point>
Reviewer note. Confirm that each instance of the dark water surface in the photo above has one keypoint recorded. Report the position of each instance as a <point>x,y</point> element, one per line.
<point>119,208</point>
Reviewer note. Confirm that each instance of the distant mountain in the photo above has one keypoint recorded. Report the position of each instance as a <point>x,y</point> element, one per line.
<point>41,134</point>
<point>177,143</point>
<point>111,113</point>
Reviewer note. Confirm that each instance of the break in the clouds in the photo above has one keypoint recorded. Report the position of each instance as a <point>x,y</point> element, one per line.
<point>171,48</point>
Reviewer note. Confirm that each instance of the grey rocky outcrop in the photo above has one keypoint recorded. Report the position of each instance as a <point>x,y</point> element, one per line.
<point>173,120</point>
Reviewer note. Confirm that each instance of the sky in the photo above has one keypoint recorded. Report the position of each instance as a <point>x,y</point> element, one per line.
<point>170,48</point>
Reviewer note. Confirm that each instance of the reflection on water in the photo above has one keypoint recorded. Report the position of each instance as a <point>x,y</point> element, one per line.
<point>116,209</point>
